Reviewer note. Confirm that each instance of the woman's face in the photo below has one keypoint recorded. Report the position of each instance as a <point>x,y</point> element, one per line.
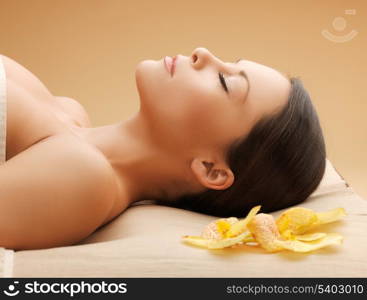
<point>193,109</point>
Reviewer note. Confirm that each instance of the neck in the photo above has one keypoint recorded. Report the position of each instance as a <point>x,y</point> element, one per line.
<point>143,169</point>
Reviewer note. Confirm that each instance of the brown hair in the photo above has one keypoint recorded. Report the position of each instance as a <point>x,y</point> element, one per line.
<point>277,165</point>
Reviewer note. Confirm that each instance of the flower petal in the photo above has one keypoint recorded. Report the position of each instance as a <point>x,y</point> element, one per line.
<point>296,220</point>
<point>227,242</point>
<point>217,228</point>
<point>298,246</point>
<point>241,226</point>
<point>310,236</point>
<point>195,240</point>
<point>331,215</point>
<point>218,244</point>
<point>265,231</point>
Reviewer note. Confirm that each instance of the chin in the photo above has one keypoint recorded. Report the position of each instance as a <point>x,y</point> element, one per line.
<point>147,69</point>
<point>146,81</point>
<point>140,71</point>
<point>146,73</point>
<point>149,78</point>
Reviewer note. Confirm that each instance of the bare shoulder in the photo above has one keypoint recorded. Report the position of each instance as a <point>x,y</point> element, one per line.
<point>67,154</point>
<point>73,158</point>
<point>68,189</point>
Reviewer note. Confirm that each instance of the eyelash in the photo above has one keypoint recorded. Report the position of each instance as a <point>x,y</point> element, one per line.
<point>223,81</point>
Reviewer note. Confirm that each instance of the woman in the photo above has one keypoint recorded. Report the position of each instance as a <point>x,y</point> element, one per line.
<point>209,136</point>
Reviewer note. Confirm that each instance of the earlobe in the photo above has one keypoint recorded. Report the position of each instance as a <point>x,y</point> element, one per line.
<point>211,175</point>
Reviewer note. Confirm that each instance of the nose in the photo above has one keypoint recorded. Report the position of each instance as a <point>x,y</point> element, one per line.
<point>202,56</point>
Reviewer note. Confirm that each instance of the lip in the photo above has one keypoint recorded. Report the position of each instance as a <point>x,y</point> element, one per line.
<point>174,62</point>
<point>170,64</point>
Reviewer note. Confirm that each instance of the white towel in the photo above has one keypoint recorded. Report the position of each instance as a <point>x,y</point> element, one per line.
<point>6,262</point>
<point>2,112</point>
<point>6,255</point>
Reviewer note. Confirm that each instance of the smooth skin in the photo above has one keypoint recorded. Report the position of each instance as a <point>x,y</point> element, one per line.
<point>75,178</point>
<point>55,189</point>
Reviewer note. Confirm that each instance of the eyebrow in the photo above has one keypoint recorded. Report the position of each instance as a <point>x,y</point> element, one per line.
<point>244,75</point>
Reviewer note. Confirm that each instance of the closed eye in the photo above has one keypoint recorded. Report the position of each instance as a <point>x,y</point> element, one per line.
<point>223,82</point>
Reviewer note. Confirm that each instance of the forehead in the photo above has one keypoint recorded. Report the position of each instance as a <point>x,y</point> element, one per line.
<point>269,88</point>
<point>263,73</point>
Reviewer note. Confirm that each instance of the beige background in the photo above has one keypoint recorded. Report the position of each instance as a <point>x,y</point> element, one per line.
<point>88,50</point>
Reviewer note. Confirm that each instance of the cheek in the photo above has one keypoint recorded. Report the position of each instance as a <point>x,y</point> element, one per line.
<point>208,118</point>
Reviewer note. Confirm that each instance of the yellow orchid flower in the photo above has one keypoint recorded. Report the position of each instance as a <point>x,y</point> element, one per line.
<point>297,220</point>
<point>267,234</point>
<point>287,232</point>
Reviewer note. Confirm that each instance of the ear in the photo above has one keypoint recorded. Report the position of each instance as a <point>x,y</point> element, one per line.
<point>217,176</point>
